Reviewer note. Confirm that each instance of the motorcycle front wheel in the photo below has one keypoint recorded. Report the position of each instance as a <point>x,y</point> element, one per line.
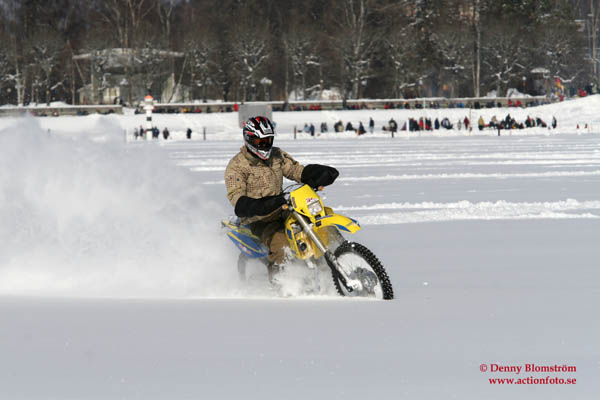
<point>360,263</point>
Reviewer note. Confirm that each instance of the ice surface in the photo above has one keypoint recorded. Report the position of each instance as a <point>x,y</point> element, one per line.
<point>116,282</point>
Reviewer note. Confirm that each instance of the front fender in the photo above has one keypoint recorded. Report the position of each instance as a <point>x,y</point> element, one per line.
<point>343,223</point>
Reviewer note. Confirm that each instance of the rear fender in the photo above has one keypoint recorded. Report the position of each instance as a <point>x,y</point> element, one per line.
<point>249,246</point>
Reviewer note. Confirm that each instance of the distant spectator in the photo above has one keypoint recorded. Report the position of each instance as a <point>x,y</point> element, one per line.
<point>371,125</point>
<point>553,122</point>
<point>136,133</point>
<point>165,133</point>
<point>481,123</point>
<point>361,129</point>
<point>466,122</point>
<point>436,124</point>
<point>393,126</point>
<point>323,127</point>
<point>155,133</point>
<point>493,122</point>
<point>189,133</point>
<point>311,129</point>
<point>349,127</point>
<point>541,123</point>
<point>446,123</point>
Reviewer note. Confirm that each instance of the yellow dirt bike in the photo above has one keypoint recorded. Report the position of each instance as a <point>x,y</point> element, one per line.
<point>314,233</point>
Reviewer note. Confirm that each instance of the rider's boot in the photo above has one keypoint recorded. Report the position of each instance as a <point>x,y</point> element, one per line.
<point>274,270</point>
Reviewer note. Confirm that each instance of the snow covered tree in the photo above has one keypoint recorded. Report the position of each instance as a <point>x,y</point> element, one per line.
<point>455,49</point>
<point>12,35</point>
<point>199,52</point>
<point>45,54</point>
<point>302,54</point>
<point>356,43</point>
<point>505,56</point>
<point>407,69</point>
<point>251,54</point>
<point>558,45</point>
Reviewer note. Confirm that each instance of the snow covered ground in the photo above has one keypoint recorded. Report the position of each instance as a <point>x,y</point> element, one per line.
<point>116,281</point>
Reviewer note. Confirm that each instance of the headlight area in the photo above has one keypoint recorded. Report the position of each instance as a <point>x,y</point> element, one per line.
<point>315,207</point>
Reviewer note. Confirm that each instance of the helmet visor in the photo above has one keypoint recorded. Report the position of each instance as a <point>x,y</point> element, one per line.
<point>262,143</point>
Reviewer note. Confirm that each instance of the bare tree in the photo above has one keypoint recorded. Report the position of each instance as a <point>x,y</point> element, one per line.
<point>45,53</point>
<point>6,66</point>
<point>505,56</point>
<point>476,29</point>
<point>251,54</point>
<point>165,10</point>
<point>593,30</point>
<point>407,69</point>
<point>302,54</point>
<point>454,46</point>
<point>126,17</point>
<point>199,52</point>
<point>12,48</point>
<point>559,47</point>
<point>356,43</point>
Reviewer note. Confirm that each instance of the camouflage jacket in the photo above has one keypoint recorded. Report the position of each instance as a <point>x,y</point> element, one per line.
<point>247,175</point>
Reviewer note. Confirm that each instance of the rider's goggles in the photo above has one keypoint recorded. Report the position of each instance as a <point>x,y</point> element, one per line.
<point>262,143</point>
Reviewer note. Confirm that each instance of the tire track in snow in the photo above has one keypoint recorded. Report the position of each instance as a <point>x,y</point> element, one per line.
<point>552,174</point>
<point>465,210</point>
<point>388,177</point>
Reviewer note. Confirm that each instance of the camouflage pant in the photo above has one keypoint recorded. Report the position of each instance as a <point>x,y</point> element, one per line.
<point>272,235</point>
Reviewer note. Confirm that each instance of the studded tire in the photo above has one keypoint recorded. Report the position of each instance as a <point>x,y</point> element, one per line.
<point>356,253</point>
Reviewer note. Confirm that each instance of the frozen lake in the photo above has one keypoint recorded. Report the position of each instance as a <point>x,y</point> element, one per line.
<point>117,283</point>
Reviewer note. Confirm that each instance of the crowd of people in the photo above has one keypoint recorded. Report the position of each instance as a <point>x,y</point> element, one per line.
<point>510,123</point>
<point>410,125</point>
<point>429,124</point>
<point>154,133</point>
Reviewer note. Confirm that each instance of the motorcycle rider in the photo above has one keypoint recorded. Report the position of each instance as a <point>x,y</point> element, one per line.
<point>254,182</point>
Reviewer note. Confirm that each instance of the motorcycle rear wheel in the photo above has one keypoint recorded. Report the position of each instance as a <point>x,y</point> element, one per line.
<point>360,263</point>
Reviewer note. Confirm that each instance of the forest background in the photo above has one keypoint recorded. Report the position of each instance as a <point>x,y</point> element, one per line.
<point>245,50</point>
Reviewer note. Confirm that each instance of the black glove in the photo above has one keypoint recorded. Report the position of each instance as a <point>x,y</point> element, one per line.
<point>249,207</point>
<point>316,175</point>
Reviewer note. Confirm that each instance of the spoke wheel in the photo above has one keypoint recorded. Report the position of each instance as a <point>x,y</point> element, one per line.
<point>360,263</point>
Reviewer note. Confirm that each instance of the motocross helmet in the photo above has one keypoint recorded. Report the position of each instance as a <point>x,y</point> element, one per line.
<point>258,136</point>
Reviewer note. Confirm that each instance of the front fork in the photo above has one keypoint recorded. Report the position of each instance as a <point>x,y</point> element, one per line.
<point>350,284</point>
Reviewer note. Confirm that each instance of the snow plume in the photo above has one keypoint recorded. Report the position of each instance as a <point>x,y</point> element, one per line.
<point>99,218</point>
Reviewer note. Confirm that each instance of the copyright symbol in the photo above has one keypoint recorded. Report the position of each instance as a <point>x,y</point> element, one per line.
<point>483,367</point>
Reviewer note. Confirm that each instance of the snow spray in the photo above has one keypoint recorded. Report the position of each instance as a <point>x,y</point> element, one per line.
<point>94,218</point>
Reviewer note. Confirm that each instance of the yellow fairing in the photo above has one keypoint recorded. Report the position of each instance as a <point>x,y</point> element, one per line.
<point>301,198</point>
<point>341,222</point>
<point>323,220</point>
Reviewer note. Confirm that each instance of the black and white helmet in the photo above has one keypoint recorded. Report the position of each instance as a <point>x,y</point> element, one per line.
<point>258,136</point>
